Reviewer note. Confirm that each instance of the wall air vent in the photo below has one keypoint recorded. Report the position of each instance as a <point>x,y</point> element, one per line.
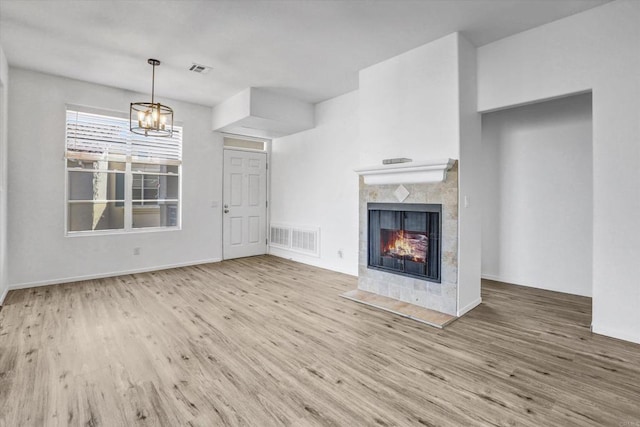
<point>280,236</point>
<point>305,240</point>
<point>200,69</point>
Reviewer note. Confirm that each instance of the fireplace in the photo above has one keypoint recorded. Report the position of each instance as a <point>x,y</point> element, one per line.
<point>405,239</point>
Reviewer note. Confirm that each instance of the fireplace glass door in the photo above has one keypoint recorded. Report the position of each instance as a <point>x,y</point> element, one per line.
<point>405,239</point>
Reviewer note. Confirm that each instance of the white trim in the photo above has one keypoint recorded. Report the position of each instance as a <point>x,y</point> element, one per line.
<point>308,260</point>
<point>296,251</point>
<point>3,296</point>
<point>407,173</point>
<point>515,282</point>
<point>613,333</point>
<point>112,274</point>
<point>267,149</point>
<point>509,281</point>
<point>594,328</point>
<point>251,150</point>
<point>498,279</point>
<point>245,137</point>
<point>121,231</point>
<point>97,111</point>
<point>128,159</point>
<point>469,307</point>
<point>535,101</point>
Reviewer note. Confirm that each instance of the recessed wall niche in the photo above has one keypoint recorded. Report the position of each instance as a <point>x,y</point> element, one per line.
<point>537,221</point>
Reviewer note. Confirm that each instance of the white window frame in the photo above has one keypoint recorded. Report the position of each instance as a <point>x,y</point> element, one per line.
<point>128,160</point>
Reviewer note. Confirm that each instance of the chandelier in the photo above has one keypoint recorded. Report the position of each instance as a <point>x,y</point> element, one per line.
<point>151,118</point>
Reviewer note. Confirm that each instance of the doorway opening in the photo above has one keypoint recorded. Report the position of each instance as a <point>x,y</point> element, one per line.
<point>537,219</point>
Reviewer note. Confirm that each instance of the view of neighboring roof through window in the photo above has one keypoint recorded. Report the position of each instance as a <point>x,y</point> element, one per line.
<point>118,181</point>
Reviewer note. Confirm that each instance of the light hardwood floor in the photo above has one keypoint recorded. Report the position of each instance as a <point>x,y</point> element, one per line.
<point>264,341</point>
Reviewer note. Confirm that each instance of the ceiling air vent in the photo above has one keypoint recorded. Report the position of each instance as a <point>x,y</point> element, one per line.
<point>200,69</point>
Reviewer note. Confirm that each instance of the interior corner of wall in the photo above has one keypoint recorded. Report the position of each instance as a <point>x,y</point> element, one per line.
<point>4,293</point>
<point>613,332</point>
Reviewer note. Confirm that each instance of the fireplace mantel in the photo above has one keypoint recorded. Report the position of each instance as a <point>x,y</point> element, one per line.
<point>429,171</point>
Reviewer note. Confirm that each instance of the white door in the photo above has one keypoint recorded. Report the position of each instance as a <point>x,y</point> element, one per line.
<point>244,222</point>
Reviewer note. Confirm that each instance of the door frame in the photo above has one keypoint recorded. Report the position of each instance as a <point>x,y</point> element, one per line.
<point>267,151</point>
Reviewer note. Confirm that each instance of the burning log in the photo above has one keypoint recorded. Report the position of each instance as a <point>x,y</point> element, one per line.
<point>405,245</point>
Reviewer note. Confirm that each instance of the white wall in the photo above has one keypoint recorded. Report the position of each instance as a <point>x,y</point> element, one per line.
<point>538,212</point>
<point>409,105</point>
<point>599,50</point>
<point>422,105</point>
<point>469,180</point>
<point>40,253</point>
<point>313,183</point>
<point>4,84</point>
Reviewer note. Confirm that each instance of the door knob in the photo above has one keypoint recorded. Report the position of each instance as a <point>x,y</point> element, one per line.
<point>226,211</point>
<point>226,206</point>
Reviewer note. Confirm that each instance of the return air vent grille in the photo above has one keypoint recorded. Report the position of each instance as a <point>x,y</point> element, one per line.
<point>280,236</point>
<point>305,240</point>
<point>200,69</point>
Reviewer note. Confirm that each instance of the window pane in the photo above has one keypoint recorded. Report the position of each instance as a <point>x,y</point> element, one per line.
<point>96,186</point>
<point>95,216</point>
<point>171,185</point>
<point>243,143</point>
<point>150,188</point>
<point>95,165</point>
<point>160,215</point>
<point>110,170</point>
<point>147,167</point>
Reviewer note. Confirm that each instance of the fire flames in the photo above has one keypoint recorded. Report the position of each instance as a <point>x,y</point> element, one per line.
<point>404,244</point>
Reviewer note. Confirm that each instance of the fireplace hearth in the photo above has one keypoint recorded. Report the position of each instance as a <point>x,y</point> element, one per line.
<point>405,239</point>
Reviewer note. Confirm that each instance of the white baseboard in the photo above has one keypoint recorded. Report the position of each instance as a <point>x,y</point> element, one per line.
<point>609,332</point>
<point>596,329</point>
<point>507,280</point>
<point>490,277</point>
<point>528,285</point>
<point>4,295</point>
<point>316,262</point>
<point>110,274</point>
<point>469,307</point>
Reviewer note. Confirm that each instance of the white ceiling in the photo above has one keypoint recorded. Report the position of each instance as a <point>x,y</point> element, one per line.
<point>311,50</point>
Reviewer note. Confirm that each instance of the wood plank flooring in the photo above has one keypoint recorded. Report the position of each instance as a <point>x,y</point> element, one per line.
<point>265,341</point>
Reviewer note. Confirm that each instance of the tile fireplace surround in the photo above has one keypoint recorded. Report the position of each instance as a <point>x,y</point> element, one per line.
<point>435,296</point>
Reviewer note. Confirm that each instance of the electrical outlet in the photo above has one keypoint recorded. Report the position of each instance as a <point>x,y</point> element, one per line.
<point>136,251</point>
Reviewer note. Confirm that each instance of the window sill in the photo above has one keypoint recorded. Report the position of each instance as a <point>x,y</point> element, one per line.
<point>74,234</point>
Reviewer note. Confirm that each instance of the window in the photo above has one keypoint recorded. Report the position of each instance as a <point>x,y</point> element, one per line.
<point>245,142</point>
<point>118,181</point>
